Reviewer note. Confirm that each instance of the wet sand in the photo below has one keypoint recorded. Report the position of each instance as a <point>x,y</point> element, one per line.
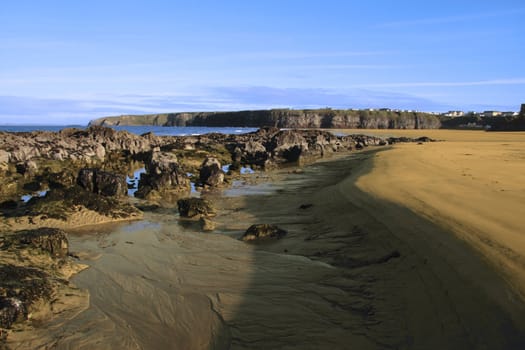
<point>374,259</point>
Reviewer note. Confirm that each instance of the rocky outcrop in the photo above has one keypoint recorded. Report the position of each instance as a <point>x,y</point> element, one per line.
<point>50,240</point>
<point>263,232</point>
<point>211,173</point>
<point>32,164</point>
<point>163,174</point>
<point>195,207</point>
<point>284,118</point>
<point>102,182</point>
<point>34,273</point>
<point>64,207</point>
<point>90,145</point>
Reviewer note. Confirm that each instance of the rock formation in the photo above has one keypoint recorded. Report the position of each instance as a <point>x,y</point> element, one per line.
<point>34,271</point>
<point>263,232</point>
<point>211,173</point>
<point>195,207</point>
<point>102,182</point>
<point>163,174</point>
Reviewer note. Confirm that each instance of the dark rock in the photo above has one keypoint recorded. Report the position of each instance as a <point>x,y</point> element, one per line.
<point>191,207</point>
<point>424,139</point>
<point>52,240</point>
<point>12,310</point>
<point>112,185</point>
<point>61,203</point>
<point>28,167</point>
<point>254,153</point>
<point>288,145</point>
<point>8,205</point>
<point>163,174</point>
<point>86,179</point>
<point>211,173</point>
<point>102,182</point>
<point>21,287</point>
<point>305,206</point>
<point>263,231</point>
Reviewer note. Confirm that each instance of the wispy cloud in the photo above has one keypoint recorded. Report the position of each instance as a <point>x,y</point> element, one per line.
<point>512,81</point>
<point>14,109</point>
<point>79,110</point>
<point>452,19</point>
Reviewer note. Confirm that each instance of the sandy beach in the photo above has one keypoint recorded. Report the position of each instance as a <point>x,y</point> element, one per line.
<point>410,247</point>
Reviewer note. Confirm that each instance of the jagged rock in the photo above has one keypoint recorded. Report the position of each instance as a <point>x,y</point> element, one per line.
<point>262,232</point>
<point>51,240</point>
<point>288,145</point>
<point>163,173</point>
<point>28,167</point>
<point>192,207</point>
<point>102,182</point>
<point>20,288</point>
<point>211,173</point>
<point>86,179</point>
<point>12,310</point>
<point>254,153</point>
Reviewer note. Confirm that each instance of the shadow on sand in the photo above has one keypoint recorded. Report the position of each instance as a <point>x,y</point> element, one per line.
<point>358,272</point>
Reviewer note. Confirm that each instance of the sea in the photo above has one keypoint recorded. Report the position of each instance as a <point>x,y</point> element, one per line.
<point>139,130</point>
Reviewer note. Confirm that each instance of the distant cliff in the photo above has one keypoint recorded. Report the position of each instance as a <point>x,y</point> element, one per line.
<point>284,118</point>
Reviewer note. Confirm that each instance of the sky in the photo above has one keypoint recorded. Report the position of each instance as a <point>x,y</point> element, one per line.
<point>67,62</point>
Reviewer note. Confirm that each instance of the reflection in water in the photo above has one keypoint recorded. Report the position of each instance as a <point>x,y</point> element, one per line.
<point>140,225</point>
<point>247,170</point>
<point>25,198</point>
<point>133,182</point>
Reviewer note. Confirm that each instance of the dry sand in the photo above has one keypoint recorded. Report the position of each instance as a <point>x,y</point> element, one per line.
<point>392,249</point>
<point>473,185</point>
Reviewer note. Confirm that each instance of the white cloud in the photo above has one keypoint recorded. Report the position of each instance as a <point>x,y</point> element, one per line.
<point>512,81</point>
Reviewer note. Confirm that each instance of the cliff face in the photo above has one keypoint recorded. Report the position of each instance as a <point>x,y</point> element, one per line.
<point>283,118</point>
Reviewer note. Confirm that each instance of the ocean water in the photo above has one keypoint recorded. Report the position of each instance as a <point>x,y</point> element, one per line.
<point>139,130</point>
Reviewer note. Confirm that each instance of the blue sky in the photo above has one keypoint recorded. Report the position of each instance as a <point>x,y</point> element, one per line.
<point>72,61</point>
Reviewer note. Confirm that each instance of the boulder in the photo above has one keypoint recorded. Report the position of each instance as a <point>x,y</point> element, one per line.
<point>254,153</point>
<point>163,174</point>
<point>263,232</point>
<point>211,173</point>
<point>288,145</point>
<point>29,167</point>
<point>102,182</point>
<point>193,207</point>
<point>111,185</point>
<point>52,240</point>
<point>12,310</point>
<point>22,287</point>
<point>86,179</point>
